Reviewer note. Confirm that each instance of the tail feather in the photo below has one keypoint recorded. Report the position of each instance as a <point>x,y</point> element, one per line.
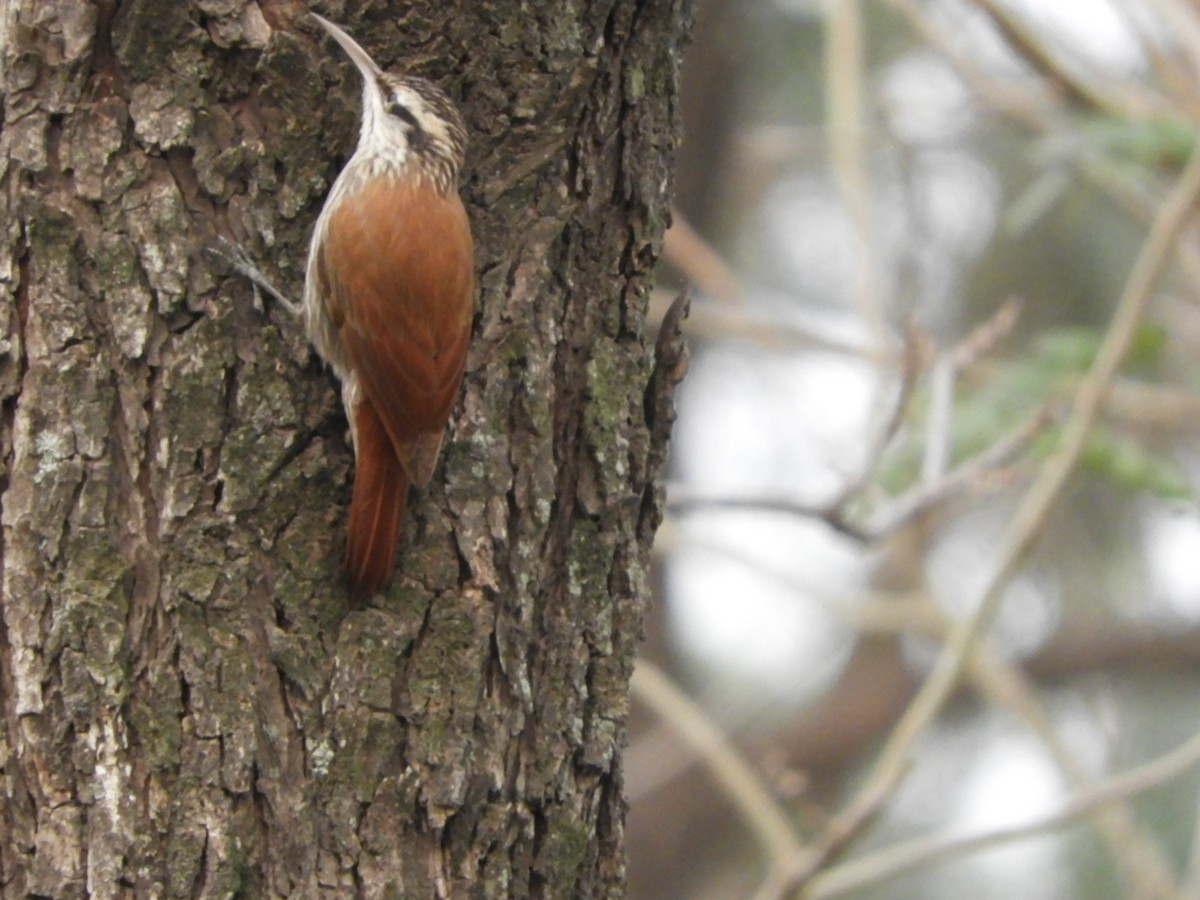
<point>376,507</point>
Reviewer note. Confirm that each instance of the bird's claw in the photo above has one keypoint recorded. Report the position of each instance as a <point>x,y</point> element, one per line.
<point>239,260</point>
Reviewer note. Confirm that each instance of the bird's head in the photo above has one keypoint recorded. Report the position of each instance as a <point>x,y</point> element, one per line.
<point>406,120</point>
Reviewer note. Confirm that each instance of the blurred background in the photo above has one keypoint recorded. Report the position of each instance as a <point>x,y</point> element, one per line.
<point>909,224</point>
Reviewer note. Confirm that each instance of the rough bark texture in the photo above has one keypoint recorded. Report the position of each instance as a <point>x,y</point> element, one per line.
<point>189,705</point>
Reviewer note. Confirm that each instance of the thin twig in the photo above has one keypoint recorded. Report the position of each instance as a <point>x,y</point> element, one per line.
<point>983,338</point>
<point>1191,881</point>
<point>1119,99</point>
<point>939,421</point>
<point>845,65</point>
<point>1032,110</point>
<point>1024,105</point>
<point>683,497</point>
<point>1007,687</point>
<point>699,261</point>
<point>916,354</point>
<point>901,510</point>
<point>943,380</point>
<point>710,319</point>
<point>734,776</point>
<point>1174,70</point>
<point>967,475</point>
<point>1027,523</point>
<point>901,857</point>
<point>1184,27</point>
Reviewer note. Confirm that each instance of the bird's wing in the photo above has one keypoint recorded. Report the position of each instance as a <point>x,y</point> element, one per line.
<point>397,271</point>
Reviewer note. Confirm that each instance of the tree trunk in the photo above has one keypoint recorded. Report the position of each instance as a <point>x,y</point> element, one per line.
<point>191,707</point>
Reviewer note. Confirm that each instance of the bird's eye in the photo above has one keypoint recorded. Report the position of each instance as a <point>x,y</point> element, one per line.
<point>402,112</point>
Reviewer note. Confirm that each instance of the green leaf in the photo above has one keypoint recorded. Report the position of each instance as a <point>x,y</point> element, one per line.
<point>1131,466</point>
<point>1156,143</point>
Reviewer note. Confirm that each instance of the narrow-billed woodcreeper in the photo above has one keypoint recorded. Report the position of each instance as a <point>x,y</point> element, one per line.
<point>388,297</point>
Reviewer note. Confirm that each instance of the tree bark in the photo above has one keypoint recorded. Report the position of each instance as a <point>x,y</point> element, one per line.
<point>191,707</point>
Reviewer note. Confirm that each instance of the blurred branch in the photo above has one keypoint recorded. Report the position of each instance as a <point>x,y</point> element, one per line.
<point>890,861</point>
<point>1138,404</point>
<point>914,361</point>
<point>983,339</point>
<point>878,612</point>
<point>969,475</point>
<point>1191,881</point>
<point>943,374</point>
<point>734,775</point>
<point>938,485</point>
<point>1031,108</point>
<point>1009,688</point>
<point>683,497</point>
<point>655,758</point>
<point>1024,105</point>
<point>894,759</point>
<point>1112,97</point>
<point>844,67</point>
<point>722,321</point>
<point>687,250</point>
<point>939,421</point>
<point>1183,25</point>
<point>1179,75</point>
<point>1133,403</point>
<point>972,474</point>
<point>966,661</point>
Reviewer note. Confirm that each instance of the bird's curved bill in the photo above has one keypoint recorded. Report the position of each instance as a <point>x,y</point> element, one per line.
<point>356,53</point>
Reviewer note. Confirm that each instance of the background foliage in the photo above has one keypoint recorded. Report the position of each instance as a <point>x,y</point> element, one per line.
<point>930,609</point>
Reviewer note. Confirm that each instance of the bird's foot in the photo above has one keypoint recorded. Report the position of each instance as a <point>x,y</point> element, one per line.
<point>240,261</point>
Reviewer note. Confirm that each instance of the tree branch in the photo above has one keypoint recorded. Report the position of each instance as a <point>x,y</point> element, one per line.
<point>903,856</point>
<point>1027,523</point>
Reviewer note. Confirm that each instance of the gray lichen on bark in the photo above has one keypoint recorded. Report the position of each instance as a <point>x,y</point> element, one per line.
<point>189,706</point>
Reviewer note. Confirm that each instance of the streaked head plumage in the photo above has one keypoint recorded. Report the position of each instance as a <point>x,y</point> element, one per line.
<point>405,119</point>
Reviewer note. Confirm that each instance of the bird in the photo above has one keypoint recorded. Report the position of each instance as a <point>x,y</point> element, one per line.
<point>388,298</point>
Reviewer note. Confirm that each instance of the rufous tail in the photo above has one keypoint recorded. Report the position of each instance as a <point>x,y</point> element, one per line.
<point>376,508</point>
